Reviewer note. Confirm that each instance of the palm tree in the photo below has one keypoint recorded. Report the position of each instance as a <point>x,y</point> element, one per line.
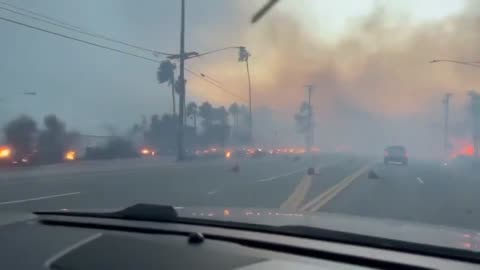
<point>234,109</point>
<point>206,112</point>
<point>166,73</point>
<point>221,115</point>
<point>192,110</point>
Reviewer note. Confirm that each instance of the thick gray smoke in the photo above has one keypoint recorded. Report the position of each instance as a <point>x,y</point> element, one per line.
<point>373,86</point>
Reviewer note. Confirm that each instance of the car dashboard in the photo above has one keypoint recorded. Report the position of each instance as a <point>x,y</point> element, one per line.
<point>64,242</point>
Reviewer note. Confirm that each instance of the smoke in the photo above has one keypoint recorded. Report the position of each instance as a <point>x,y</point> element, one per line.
<point>374,85</point>
<point>19,133</point>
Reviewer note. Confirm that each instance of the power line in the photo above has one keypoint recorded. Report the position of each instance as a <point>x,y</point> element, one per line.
<point>35,13</point>
<point>77,39</point>
<point>216,85</point>
<point>74,28</point>
<point>204,77</point>
<point>217,50</point>
<point>210,78</point>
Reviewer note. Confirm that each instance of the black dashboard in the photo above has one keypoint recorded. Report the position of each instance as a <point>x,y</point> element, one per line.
<point>63,242</point>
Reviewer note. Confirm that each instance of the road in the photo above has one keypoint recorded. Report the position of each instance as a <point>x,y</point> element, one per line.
<point>424,191</point>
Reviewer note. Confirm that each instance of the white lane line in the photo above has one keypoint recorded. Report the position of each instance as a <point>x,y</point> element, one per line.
<point>280,176</point>
<point>322,166</point>
<point>40,198</point>
<point>420,180</point>
<point>213,192</point>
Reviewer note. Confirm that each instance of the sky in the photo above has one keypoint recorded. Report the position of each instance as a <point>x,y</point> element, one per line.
<point>368,59</point>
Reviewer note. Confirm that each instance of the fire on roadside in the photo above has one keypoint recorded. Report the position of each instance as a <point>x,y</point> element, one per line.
<point>147,152</point>
<point>462,148</point>
<point>70,155</point>
<point>5,152</point>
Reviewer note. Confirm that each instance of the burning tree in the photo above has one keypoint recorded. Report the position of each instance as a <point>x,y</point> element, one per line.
<point>52,141</point>
<point>20,134</point>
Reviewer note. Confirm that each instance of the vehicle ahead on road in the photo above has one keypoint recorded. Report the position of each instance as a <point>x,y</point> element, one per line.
<point>395,153</point>
<point>148,236</point>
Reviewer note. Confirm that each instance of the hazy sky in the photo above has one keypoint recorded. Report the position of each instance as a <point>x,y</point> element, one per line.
<point>368,59</point>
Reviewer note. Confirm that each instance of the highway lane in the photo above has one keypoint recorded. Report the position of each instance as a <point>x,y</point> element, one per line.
<point>425,192</point>
<point>191,183</point>
<point>274,193</point>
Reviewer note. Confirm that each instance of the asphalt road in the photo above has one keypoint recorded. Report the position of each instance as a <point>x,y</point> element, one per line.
<point>424,191</point>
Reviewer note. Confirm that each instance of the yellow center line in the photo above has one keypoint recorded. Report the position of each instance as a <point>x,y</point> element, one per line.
<point>298,195</point>
<point>318,202</point>
<point>295,200</point>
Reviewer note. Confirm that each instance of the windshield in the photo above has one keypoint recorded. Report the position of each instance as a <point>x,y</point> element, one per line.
<point>106,104</point>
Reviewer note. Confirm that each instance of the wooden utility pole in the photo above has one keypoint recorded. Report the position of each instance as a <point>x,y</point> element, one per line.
<point>181,84</point>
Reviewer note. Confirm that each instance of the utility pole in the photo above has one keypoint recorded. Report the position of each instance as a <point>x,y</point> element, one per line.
<point>181,79</point>
<point>310,120</point>
<point>182,57</point>
<point>446,144</point>
<point>475,103</point>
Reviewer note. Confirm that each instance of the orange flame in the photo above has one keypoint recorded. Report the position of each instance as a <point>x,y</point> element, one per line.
<point>462,148</point>
<point>5,152</point>
<point>70,155</point>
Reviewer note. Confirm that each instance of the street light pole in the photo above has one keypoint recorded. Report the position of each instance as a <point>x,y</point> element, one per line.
<point>181,84</point>
<point>243,56</point>
<point>475,99</point>
<point>250,118</point>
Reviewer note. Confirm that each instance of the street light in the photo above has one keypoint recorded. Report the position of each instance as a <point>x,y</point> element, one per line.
<point>243,56</point>
<point>475,105</point>
<point>25,93</point>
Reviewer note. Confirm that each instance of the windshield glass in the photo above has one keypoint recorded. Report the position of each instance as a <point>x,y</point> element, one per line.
<point>106,104</point>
